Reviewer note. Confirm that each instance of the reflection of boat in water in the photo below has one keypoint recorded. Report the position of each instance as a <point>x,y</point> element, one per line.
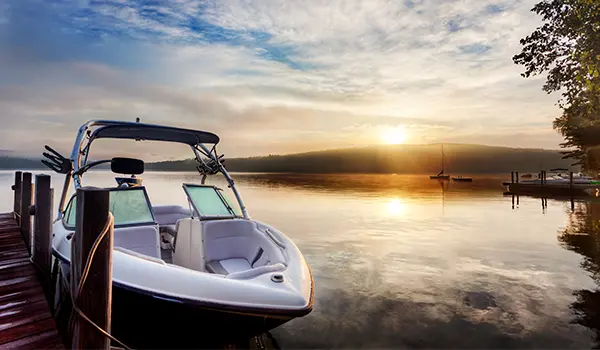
<point>440,175</point>
<point>462,179</point>
<point>207,270</point>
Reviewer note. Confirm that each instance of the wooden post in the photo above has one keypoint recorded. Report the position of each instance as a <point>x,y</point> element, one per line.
<point>17,196</point>
<point>512,177</point>
<point>41,249</point>
<point>545,178</point>
<point>517,176</point>
<point>26,199</point>
<point>96,294</point>
<point>571,180</point>
<point>542,175</point>
<point>572,204</point>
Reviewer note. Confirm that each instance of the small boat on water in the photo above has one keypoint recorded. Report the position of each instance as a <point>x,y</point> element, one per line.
<point>462,179</point>
<point>206,270</point>
<point>441,175</point>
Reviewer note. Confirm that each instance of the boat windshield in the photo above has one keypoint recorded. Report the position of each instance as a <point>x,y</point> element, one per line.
<point>129,206</point>
<point>210,202</point>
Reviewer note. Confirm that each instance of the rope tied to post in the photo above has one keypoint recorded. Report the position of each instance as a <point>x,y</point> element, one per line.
<point>75,295</point>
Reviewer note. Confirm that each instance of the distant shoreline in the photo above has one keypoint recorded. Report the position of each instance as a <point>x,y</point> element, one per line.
<point>391,159</point>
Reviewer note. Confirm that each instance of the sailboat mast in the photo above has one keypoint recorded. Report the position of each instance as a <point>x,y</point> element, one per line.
<point>443,158</point>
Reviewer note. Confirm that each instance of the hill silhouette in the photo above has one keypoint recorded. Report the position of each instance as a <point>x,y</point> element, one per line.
<point>400,159</point>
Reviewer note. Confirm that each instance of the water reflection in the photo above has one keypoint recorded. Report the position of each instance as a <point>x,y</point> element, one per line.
<point>396,207</point>
<point>403,261</point>
<point>582,235</point>
<point>388,185</point>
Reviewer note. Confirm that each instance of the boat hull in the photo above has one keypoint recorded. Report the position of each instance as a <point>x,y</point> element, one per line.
<point>439,177</point>
<point>143,320</point>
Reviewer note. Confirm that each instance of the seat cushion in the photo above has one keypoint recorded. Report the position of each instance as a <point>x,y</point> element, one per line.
<point>141,239</point>
<point>227,266</point>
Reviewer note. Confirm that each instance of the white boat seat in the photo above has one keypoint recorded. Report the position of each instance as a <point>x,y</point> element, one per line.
<point>235,246</point>
<point>189,248</point>
<point>140,239</point>
<point>227,266</point>
<point>167,215</point>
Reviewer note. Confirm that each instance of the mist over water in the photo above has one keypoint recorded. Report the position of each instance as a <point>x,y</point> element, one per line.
<point>407,262</point>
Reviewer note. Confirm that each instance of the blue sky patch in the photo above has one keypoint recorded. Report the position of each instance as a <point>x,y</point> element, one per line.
<point>475,49</point>
<point>494,9</point>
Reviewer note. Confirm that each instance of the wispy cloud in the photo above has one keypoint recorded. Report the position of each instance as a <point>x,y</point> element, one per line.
<point>306,72</point>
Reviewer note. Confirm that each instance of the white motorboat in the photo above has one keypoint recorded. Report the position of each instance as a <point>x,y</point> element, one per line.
<point>208,269</point>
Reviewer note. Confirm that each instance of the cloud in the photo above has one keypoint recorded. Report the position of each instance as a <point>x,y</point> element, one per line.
<point>305,72</point>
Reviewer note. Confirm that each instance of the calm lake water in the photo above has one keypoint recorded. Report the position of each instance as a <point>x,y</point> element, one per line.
<point>407,262</point>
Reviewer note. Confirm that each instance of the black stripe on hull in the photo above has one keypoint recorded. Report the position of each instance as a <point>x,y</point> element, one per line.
<point>142,321</point>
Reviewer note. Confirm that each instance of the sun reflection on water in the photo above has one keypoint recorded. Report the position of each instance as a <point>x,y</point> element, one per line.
<point>396,207</point>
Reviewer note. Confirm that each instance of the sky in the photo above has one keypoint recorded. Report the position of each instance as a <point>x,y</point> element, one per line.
<point>272,76</point>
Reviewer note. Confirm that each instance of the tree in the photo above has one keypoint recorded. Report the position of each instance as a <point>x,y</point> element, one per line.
<point>567,48</point>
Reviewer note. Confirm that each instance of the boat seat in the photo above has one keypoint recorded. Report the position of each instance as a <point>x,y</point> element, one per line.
<point>189,248</point>
<point>168,215</point>
<point>233,246</point>
<point>140,239</point>
<point>227,266</point>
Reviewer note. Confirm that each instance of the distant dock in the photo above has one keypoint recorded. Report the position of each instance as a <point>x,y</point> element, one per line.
<point>541,186</point>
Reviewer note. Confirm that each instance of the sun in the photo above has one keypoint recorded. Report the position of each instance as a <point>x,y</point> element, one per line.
<point>394,136</point>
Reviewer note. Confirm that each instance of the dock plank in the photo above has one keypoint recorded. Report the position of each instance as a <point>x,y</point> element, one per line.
<point>25,318</point>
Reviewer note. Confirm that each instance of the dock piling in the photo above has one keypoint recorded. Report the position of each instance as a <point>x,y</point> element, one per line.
<point>17,196</point>
<point>94,296</point>
<point>25,201</point>
<point>571,179</point>
<point>42,229</point>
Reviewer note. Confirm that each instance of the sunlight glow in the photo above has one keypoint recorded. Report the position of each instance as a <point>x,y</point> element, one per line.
<point>396,206</point>
<point>394,136</point>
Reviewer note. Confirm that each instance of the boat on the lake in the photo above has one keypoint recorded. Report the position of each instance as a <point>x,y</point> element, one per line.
<point>462,179</point>
<point>441,175</point>
<point>206,270</point>
<point>556,182</point>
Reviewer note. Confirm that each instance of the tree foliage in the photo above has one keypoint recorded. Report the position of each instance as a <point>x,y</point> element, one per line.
<point>567,48</point>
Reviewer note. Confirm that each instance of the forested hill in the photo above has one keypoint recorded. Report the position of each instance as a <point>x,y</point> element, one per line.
<point>12,163</point>
<point>399,159</point>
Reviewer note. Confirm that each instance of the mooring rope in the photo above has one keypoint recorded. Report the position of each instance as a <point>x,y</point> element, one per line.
<point>84,275</point>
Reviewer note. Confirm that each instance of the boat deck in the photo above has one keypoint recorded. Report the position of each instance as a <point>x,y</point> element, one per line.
<point>25,318</point>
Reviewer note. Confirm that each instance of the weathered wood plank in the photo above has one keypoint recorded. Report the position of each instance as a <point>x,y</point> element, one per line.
<point>7,216</point>
<point>12,261</point>
<point>43,340</point>
<point>18,270</point>
<point>25,318</point>
<point>28,326</point>
<point>23,314</point>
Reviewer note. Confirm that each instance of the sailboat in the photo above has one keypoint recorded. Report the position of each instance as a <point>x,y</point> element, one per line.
<point>440,175</point>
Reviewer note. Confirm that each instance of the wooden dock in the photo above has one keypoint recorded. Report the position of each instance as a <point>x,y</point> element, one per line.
<point>541,187</point>
<point>25,318</point>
